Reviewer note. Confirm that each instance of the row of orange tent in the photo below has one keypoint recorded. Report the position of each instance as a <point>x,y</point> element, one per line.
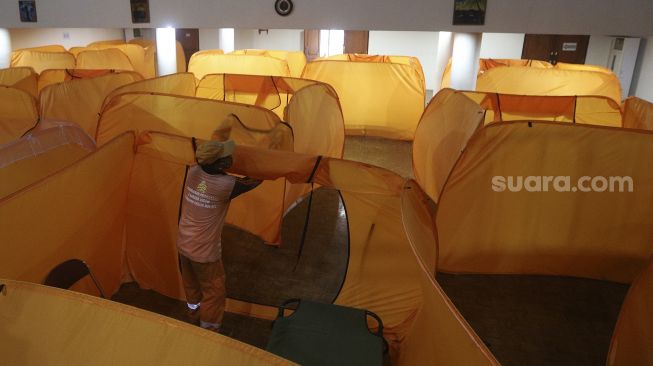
<point>144,131</point>
<point>397,242</point>
<point>137,55</point>
<point>366,82</point>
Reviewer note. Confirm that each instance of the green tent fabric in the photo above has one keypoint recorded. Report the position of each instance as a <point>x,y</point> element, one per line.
<point>326,334</point>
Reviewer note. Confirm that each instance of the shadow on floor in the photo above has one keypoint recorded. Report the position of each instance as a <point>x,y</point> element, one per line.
<point>267,275</point>
<point>539,320</point>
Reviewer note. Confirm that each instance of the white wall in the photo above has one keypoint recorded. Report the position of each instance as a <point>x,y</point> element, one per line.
<point>146,33</point>
<point>643,79</point>
<point>273,39</point>
<point>628,63</point>
<point>209,39</point>
<point>77,37</point>
<point>598,50</point>
<point>623,17</point>
<point>502,45</point>
<point>423,45</point>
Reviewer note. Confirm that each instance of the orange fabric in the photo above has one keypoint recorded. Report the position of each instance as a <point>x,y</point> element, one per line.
<point>603,235</point>
<point>22,78</point>
<point>438,334</point>
<point>49,77</point>
<point>249,89</point>
<point>148,192</point>
<point>269,92</point>
<point>446,126</point>
<point>403,60</point>
<point>137,56</point>
<point>633,334</point>
<point>373,207</point>
<point>486,64</point>
<point>143,111</point>
<point>260,212</point>
<point>638,113</point>
<point>522,80</point>
<point>182,84</point>
<point>216,62</point>
<point>77,327</point>
<point>296,59</point>
<point>39,154</point>
<point>46,48</point>
<point>41,60</point>
<point>316,119</point>
<point>110,42</point>
<point>600,111</point>
<point>81,214</point>
<point>109,58</point>
<point>365,86</point>
<point>18,113</point>
<point>566,66</point>
<point>80,100</point>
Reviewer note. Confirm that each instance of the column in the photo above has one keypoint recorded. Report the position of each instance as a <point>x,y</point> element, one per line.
<point>465,58</point>
<point>445,48</point>
<point>166,51</point>
<point>5,48</point>
<point>226,36</point>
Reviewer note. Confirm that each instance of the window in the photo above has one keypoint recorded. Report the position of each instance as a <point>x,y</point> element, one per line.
<point>332,42</point>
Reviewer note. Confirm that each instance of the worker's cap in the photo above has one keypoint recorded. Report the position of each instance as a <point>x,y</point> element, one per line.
<point>210,151</point>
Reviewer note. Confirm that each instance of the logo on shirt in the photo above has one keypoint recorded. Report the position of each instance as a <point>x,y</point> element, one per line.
<point>202,187</point>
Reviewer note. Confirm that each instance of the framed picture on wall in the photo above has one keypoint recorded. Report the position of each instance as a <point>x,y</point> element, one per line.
<point>469,12</point>
<point>27,9</point>
<point>140,11</point>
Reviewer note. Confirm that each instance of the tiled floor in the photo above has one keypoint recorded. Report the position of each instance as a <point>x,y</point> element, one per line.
<point>525,320</point>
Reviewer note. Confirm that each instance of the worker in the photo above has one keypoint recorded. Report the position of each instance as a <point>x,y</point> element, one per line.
<point>206,197</point>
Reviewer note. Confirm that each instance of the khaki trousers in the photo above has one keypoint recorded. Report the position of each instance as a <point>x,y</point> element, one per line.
<point>205,283</point>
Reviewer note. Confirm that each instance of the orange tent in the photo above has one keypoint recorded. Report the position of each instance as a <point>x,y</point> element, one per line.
<point>296,59</point>
<point>638,113</point>
<point>595,110</point>
<point>107,58</point>
<point>18,113</point>
<point>216,62</point>
<point>23,78</point>
<point>39,154</point>
<point>311,108</point>
<point>386,214</point>
<point>364,84</point>
<point>80,100</point>
<point>552,81</point>
<point>43,60</point>
<point>55,76</point>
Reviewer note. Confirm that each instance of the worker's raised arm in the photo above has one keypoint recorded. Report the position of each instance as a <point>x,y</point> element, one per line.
<point>243,185</point>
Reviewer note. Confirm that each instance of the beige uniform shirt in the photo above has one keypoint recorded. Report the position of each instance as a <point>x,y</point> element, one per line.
<point>203,210</point>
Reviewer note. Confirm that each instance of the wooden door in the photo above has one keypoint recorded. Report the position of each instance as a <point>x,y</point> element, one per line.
<point>356,41</point>
<point>189,39</point>
<point>311,44</point>
<point>559,48</point>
